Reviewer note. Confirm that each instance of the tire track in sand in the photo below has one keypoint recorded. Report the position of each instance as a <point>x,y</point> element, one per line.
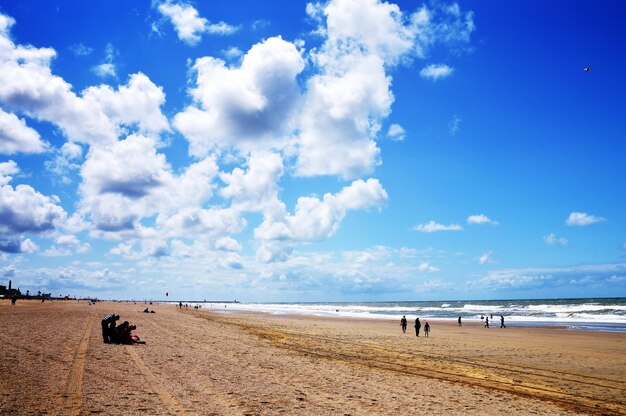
<point>73,392</point>
<point>163,394</point>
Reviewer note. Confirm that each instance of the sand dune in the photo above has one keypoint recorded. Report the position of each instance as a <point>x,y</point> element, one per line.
<point>54,362</point>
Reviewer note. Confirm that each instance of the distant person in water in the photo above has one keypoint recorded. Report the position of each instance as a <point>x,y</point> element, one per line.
<point>403,324</point>
<point>502,322</point>
<point>418,325</point>
<point>426,329</point>
<point>460,324</point>
<point>486,322</point>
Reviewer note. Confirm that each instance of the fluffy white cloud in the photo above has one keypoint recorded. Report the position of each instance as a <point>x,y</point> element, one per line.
<point>221,28</point>
<point>66,161</point>
<point>425,267</point>
<point>436,71</point>
<point>257,188</point>
<point>188,23</point>
<point>6,170</point>
<point>130,180</point>
<point>347,100</point>
<point>341,117</point>
<point>242,106</point>
<point>138,102</point>
<point>212,222</point>
<point>396,132</point>
<point>486,258</point>
<point>582,219</point>
<point>552,240</point>
<point>480,219</point>
<point>314,219</point>
<point>66,245</point>
<point>23,210</point>
<point>432,226</point>
<point>16,136</point>
<point>27,85</point>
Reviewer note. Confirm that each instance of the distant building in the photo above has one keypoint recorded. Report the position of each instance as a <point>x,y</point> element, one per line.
<point>9,292</point>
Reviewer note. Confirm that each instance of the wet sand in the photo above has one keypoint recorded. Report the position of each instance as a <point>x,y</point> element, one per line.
<point>53,362</point>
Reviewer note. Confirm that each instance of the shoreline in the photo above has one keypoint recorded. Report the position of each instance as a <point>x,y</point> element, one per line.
<point>561,325</point>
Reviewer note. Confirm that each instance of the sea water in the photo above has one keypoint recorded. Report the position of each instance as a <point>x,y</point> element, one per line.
<point>602,314</point>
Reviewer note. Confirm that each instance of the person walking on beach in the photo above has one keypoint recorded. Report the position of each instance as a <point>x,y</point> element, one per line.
<point>108,326</point>
<point>403,323</point>
<point>502,322</point>
<point>426,329</point>
<point>486,322</point>
<point>460,324</point>
<point>418,325</point>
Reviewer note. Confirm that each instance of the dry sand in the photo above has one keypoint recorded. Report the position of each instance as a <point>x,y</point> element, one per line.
<point>53,362</point>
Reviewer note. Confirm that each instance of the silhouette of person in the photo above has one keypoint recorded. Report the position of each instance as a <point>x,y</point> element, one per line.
<point>460,324</point>
<point>418,325</point>
<point>403,323</point>
<point>426,329</point>
<point>502,322</point>
<point>108,327</point>
<point>486,322</point>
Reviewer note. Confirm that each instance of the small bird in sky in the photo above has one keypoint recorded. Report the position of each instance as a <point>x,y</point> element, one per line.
<point>587,68</point>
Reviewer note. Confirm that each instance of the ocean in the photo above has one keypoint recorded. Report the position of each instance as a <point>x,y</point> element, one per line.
<point>600,314</point>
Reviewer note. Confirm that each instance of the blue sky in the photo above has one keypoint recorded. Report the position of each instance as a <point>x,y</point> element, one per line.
<point>348,150</point>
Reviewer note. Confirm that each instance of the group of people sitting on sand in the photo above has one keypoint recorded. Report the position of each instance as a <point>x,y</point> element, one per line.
<point>118,334</point>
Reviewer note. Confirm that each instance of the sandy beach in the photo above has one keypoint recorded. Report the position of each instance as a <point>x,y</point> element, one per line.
<point>53,362</point>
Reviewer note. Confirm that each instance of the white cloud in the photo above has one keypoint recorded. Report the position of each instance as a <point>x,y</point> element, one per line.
<point>425,267</point>
<point>486,258</point>
<point>27,246</point>
<point>6,170</point>
<point>432,226</point>
<point>186,20</point>
<point>16,136</point>
<point>79,49</point>
<point>23,210</point>
<point>66,161</point>
<point>454,125</point>
<point>480,219</point>
<point>130,180</point>
<point>582,219</point>
<point>233,53</point>
<point>435,72</point>
<point>227,244</point>
<point>105,70</point>
<point>221,28</point>
<point>66,245</point>
<point>27,85</point>
<point>138,102</point>
<point>314,219</point>
<point>545,278</point>
<point>257,188</point>
<point>552,240</point>
<point>245,106</point>
<point>188,23</point>
<point>396,132</point>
